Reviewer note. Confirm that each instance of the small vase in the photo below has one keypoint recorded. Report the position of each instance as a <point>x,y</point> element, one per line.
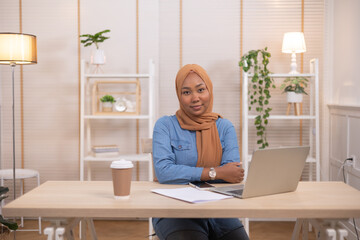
<point>293,97</point>
<point>98,57</point>
<point>107,106</point>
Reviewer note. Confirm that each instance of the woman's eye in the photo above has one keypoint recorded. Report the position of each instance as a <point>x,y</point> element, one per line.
<point>201,90</point>
<point>186,92</point>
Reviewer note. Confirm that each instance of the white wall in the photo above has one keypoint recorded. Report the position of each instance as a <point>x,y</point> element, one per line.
<point>343,35</point>
<point>346,52</point>
<point>341,51</point>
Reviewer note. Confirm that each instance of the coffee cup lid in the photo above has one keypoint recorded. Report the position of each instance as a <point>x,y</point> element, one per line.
<point>122,164</point>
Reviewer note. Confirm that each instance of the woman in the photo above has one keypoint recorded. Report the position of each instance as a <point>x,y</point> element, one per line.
<point>196,145</point>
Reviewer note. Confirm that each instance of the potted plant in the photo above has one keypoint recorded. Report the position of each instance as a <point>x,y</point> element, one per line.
<point>6,225</point>
<point>259,89</point>
<point>294,87</point>
<point>98,57</point>
<point>107,103</point>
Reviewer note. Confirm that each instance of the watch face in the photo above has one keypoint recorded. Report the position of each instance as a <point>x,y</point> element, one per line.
<point>212,173</point>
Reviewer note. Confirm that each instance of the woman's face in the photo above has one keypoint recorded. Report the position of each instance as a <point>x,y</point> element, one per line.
<point>195,97</point>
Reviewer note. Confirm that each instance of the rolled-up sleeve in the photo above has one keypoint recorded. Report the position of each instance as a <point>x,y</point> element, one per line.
<point>229,142</point>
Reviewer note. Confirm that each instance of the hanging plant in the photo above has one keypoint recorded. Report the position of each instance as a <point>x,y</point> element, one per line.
<point>259,90</point>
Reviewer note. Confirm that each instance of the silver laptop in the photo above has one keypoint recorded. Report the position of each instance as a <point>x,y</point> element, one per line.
<point>271,171</point>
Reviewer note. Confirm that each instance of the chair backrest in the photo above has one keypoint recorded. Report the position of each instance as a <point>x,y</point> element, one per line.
<point>146,147</point>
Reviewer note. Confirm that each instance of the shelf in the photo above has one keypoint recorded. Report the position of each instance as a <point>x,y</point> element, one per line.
<point>312,117</point>
<point>286,117</point>
<point>90,115</point>
<point>117,117</point>
<point>131,157</point>
<point>117,75</point>
<point>308,159</point>
<point>285,75</point>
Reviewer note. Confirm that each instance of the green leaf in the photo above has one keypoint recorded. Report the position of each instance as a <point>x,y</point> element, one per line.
<point>3,190</point>
<point>9,224</point>
<point>107,98</point>
<point>260,133</point>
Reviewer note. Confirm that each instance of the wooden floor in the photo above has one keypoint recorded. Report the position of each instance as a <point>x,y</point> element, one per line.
<point>138,230</point>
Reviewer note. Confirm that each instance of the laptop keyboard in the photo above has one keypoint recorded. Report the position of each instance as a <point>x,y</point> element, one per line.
<point>238,191</point>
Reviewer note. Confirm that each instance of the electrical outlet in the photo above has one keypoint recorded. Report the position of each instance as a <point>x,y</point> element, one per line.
<point>350,163</point>
<point>356,162</point>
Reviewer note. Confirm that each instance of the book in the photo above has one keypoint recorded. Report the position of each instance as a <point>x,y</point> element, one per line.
<point>105,148</point>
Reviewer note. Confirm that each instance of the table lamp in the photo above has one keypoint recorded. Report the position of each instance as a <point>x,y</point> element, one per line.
<point>293,42</point>
<point>16,49</point>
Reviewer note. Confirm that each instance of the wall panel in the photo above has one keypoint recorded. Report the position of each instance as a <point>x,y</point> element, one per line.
<point>51,90</point>
<point>344,143</point>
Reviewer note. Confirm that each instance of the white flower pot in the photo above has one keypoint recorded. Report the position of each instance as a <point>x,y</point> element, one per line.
<point>107,106</point>
<point>293,97</point>
<point>98,57</point>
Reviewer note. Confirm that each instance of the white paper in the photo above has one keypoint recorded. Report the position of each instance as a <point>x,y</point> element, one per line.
<point>190,194</point>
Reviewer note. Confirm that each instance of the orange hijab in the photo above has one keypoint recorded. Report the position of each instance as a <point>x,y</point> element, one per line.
<point>207,137</point>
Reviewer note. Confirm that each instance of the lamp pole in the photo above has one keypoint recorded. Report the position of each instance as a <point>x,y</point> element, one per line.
<point>13,65</point>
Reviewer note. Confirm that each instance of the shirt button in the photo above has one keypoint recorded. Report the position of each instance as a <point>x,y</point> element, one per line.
<point>180,146</point>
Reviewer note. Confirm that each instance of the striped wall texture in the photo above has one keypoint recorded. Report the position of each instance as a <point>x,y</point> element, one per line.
<point>211,33</point>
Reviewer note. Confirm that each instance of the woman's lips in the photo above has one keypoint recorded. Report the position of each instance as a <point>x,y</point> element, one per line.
<point>197,107</point>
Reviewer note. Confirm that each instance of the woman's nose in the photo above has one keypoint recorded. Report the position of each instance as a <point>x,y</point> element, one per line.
<point>195,98</point>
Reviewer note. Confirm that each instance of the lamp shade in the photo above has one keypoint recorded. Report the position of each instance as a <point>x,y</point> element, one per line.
<point>293,42</point>
<point>17,48</point>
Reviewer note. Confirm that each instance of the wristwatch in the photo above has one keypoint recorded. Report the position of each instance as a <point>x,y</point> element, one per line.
<point>212,173</point>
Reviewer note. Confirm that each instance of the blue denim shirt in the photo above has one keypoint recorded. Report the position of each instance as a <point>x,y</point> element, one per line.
<point>175,152</point>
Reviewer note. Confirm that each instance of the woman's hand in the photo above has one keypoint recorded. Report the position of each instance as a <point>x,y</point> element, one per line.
<point>230,172</point>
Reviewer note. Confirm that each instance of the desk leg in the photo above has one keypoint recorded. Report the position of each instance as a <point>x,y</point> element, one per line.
<point>305,227</point>
<point>69,228</point>
<point>82,229</point>
<point>297,228</point>
<point>91,226</point>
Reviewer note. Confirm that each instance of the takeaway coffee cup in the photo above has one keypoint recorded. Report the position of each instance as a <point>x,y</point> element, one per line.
<point>121,174</point>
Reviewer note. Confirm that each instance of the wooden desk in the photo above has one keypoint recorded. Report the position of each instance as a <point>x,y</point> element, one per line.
<point>92,199</point>
<point>95,199</point>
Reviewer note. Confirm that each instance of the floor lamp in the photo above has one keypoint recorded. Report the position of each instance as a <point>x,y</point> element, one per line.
<point>16,49</point>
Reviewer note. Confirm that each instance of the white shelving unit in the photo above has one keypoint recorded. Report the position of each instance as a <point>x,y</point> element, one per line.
<point>86,118</point>
<point>313,116</point>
